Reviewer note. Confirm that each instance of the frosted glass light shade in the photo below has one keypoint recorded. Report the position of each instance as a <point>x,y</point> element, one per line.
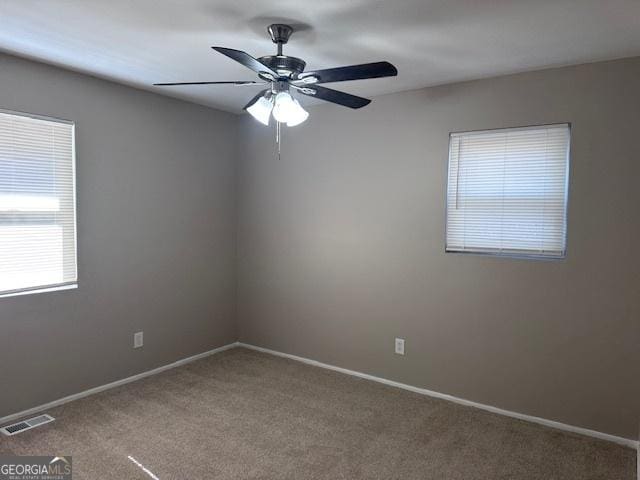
<point>288,110</point>
<point>261,110</point>
<point>297,116</point>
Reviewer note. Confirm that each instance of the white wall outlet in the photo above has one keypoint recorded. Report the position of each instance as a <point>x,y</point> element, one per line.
<point>138,339</point>
<point>400,346</point>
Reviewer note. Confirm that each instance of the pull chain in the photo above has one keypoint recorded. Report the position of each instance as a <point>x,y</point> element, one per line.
<point>278,137</point>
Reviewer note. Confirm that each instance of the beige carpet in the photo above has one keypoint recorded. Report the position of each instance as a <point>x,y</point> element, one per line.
<point>247,415</point>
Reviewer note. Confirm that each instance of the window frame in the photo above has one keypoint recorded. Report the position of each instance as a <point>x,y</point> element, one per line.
<point>514,254</point>
<point>70,285</point>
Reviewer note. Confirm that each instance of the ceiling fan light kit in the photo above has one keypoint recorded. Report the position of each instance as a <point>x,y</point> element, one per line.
<point>284,74</point>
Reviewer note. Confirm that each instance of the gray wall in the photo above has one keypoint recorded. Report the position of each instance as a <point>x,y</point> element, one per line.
<point>156,238</point>
<point>341,248</point>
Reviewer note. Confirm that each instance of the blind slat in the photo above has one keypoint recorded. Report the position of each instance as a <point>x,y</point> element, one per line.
<point>37,203</point>
<point>507,191</point>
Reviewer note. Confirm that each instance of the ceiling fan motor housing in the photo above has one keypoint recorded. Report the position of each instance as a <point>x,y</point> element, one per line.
<point>283,65</point>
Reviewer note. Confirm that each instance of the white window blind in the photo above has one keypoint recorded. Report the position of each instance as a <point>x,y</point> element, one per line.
<point>37,203</point>
<point>507,191</point>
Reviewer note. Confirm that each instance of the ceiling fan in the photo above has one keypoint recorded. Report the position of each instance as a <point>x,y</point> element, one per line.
<point>284,74</point>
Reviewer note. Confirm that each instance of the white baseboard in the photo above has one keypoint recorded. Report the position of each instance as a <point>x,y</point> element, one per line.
<point>423,391</point>
<point>117,383</point>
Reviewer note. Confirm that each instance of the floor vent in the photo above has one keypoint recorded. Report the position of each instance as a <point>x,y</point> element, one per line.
<point>20,427</point>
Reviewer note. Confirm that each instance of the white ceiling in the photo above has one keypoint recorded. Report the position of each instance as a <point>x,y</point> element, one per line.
<point>139,42</point>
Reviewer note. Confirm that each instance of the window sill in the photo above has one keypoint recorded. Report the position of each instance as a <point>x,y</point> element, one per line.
<point>513,255</point>
<point>57,288</point>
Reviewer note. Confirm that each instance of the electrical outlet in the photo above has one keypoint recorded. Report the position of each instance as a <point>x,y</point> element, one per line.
<point>138,339</point>
<point>400,346</point>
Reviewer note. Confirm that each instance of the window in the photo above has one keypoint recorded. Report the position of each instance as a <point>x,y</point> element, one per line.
<point>507,191</point>
<point>37,203</point>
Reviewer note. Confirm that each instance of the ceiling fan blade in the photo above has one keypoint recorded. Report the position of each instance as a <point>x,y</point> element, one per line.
<point>334,96</point>
<point>352,72</point>
<point>245,59</point>
<point>255,99</point>
<point>239,82</point>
